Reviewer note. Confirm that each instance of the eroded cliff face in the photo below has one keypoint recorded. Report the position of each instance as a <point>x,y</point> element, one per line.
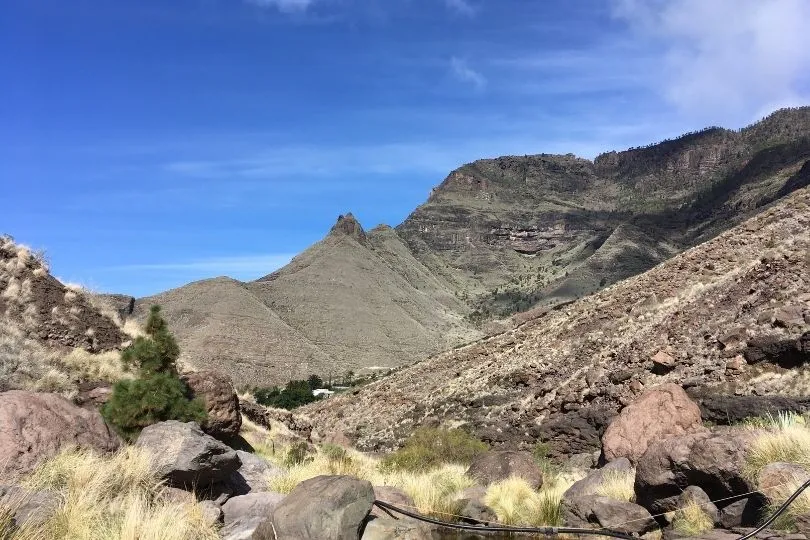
<point>527,224</point>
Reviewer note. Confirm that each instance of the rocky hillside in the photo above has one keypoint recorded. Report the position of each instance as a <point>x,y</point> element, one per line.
<point>42,322</point>
<point>726,319</point>
<point>497,237</point>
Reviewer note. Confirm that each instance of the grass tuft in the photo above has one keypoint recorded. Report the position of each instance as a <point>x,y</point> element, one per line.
<point>784,438</point>
<point>111,497</point>
<point>428,448</point>
<point>516,503</point>
<point>618,485</point>
<point>692,520</point>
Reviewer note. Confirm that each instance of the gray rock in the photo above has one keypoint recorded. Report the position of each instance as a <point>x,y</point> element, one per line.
<point>473,511</point>
<point>496,465</point>
<point>591,483</point>
<point>29,507</point>
<point>212,513</point>
<point>249,528</point>
<point>621,516</point>
<point>581,461</point>
<point>773,476</point>
<point>742,513</point>
<point>388,528</point>
<point>712,460</point>
<point>185,456</point>
<point>256,504</point>
<point>253,475</point>
<point>324,507</point>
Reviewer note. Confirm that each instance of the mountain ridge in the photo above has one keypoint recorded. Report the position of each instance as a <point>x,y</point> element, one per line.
<point>504,235</point>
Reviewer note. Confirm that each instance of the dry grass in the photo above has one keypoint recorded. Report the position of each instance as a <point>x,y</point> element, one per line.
<point>114,497</point>
<point>692,520</point>
<point>784,438</point>
<point>105,366</point>
<point>618,485</point>
<point>516,503</point>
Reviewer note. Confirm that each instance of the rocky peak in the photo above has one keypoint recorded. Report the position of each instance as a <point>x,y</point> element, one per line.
<point>348,226</point>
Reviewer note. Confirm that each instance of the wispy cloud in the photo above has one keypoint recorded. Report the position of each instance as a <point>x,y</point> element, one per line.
<point>733,60</point>
<point>236,265</point>
<point>285,6</point>
<point>463,7</point>
<point>463,72</point>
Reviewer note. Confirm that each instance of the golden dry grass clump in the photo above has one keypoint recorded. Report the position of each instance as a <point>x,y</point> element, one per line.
<point>783,438</point>
<point>108,498</point>
<point>692,520</point>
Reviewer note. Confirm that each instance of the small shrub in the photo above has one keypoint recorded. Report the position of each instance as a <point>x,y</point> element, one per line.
<point>549,467</point>
<point>430,447</point>
<point>297,454</point>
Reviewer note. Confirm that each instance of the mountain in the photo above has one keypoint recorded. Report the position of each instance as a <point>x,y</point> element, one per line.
<point>729,317</point>
<point>354,300</point>
<point>496,238</point>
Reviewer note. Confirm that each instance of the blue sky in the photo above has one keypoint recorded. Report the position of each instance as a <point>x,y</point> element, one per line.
<point>148,143</point>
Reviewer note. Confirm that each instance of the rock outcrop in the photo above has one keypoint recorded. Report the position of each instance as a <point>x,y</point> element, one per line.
<point>496,465</point>
<point>36,426</point>
<point>216,390</point>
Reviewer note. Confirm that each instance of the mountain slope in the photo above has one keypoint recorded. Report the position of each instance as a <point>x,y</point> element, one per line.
<point>498,237</point>
<point>351,301</point>
<point>561,376</point>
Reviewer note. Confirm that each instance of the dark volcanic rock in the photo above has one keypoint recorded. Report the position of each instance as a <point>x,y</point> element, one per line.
<point>730,409</point>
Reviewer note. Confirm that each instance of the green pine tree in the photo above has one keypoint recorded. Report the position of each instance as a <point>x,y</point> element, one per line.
<point>157,394</point>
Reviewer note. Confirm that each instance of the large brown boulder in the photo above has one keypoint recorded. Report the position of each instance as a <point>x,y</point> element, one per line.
<point>36,426</point>
<point>324,507</point>
<point>496,465</point>
<point>711,460</point>
<point>185,456</point>
<point>660,412</point>
<point>221,402</point>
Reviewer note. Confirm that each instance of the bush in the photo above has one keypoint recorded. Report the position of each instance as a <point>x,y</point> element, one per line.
<point>428,448</point>
<point>295,394</point>
<point>297,454</point>
<point>158,394</point>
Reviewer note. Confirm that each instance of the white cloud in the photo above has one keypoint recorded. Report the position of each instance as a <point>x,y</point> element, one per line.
<point>461,6</point>
<point>726,60</point>
<point>285,6</point>
<point>463,72</point>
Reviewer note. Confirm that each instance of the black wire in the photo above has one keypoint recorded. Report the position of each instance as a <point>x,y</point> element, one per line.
<point>548,531</point>
<point>554,531</point>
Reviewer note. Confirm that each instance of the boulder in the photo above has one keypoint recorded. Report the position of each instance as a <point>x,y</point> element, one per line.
<point>695,495</point>
<point>221,402</point>
<point>29,507</point>
<point>36,426</point>
<point>474,511</point>
<point>803,524</point>
<point>394,496</point>
<point>711,460</point>
<point>617,515</point>
<point>774,476</point>
<point>742,513</point>
<point>253,475</point>
<point>185,456</point>
<point>332,507</point>
<point>591,483</point>
<point>496,465</point>
<point>256,504</point>
<point>789,316</point>
<point>662,363</point>
<point>387,528</point>
<point>249,528</point>
<point>660,412</point>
